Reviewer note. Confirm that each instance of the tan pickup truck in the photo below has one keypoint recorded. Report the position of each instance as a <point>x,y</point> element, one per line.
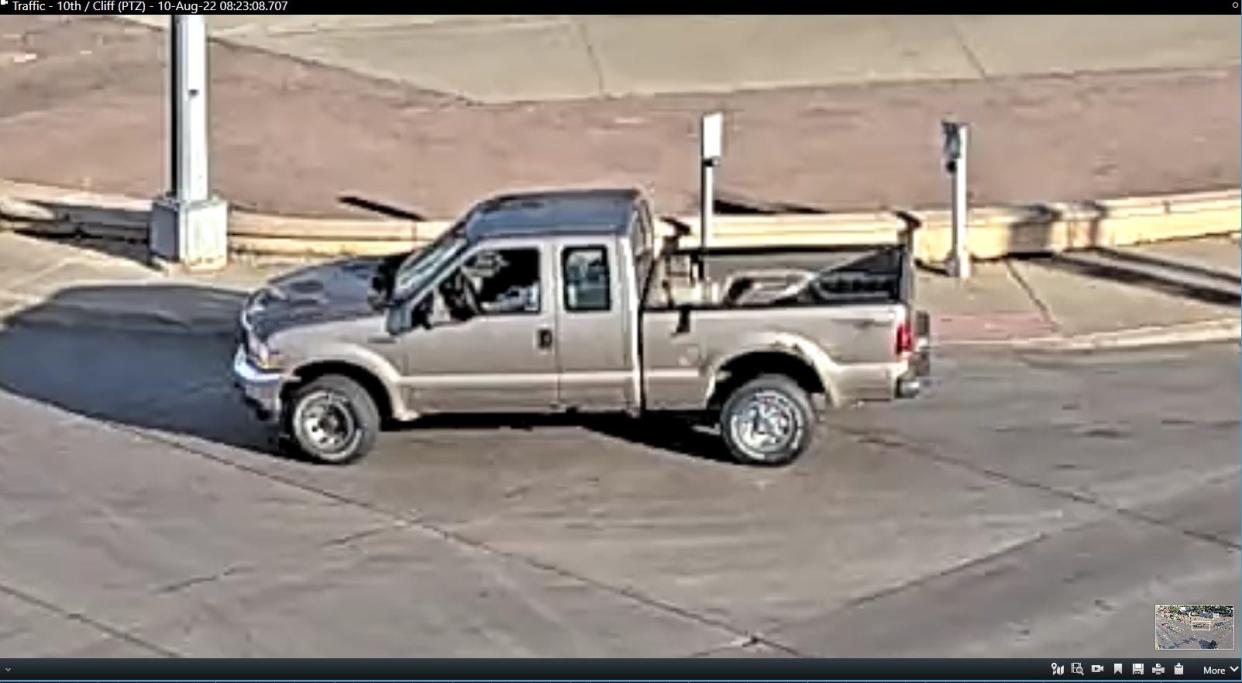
<point>568,301</point>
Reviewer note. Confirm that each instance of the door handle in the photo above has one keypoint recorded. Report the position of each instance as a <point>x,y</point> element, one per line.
<point>543,338</point>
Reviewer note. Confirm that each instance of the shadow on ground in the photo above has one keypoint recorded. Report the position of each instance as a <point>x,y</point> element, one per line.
<point>1032,241</point>
<point>112,231</point>
<point>1190,282</point>
<point>63,353</point>
<point>382,208</point>
<point>114,354</point>
<point>667,434</point>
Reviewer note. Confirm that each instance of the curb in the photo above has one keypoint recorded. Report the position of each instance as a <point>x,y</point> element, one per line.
<point>1220,330</point>
<point>995,232</point>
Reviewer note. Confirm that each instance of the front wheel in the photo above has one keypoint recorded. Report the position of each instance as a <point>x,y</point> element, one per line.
<point>767,421</point>
<point>332,420</point>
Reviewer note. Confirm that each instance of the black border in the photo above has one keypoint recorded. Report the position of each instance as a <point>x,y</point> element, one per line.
<point>699,669</point>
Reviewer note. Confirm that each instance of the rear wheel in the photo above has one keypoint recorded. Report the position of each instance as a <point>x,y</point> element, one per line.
<point>332,420</point>
<point>767,421</point>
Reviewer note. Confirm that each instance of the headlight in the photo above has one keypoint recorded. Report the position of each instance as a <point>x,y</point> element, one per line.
<point>260,355</point>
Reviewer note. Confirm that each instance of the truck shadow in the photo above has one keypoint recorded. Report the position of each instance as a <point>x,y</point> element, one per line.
<point>67,352</point>
<point>164,365</point>
<point>660,433</point>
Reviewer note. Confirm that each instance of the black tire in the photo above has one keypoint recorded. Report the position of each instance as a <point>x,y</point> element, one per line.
<point>789,410</point>
<point>343,406</point>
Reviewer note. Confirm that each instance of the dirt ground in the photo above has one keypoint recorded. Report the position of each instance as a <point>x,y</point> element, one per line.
<point>82,104</point>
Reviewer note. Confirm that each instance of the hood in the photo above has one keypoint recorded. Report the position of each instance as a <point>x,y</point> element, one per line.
<point>340,290</point>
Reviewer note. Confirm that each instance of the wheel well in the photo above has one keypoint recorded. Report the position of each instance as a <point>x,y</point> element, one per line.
<point>744,368</point>
<point>373,386</point>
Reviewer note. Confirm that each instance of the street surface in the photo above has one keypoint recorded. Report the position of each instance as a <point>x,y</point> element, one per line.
<point>1031,505</point>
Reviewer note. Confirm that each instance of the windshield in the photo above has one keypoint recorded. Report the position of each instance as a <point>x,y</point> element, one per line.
<point>421,266</point>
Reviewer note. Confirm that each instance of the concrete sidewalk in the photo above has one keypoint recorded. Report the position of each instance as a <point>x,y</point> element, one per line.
<point>82,106</point>
<point>525,58</point>
<point>1165,293</point>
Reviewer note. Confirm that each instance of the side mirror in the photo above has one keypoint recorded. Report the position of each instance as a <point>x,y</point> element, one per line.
<point>405,316</point>
<point>420,314</point>
<point>398,319</point>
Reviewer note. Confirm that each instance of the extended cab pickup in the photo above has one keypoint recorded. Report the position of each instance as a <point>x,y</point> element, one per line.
<point>568,301</point>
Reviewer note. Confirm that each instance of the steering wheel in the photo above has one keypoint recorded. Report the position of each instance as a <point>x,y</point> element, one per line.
<point>469,296</point>
<point>460,296</point>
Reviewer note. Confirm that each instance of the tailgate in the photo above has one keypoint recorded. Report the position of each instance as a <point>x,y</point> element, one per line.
<point>919,320</point>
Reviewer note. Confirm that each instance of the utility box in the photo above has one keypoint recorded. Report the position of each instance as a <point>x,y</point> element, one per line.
<point>193,234</point>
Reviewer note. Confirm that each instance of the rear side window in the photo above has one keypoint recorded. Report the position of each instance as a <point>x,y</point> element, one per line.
<point>588,285</point>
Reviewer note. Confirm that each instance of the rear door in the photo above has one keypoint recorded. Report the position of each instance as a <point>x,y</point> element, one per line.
<point>594,349</point>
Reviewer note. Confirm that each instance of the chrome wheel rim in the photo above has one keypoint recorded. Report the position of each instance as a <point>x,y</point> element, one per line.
<point>765,424</point>
<point>327,423</point>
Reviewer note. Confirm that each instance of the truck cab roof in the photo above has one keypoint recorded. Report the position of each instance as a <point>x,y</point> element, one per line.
<point>561,212</point>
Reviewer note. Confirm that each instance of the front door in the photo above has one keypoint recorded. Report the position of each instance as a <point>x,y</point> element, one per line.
<point>491,343</point>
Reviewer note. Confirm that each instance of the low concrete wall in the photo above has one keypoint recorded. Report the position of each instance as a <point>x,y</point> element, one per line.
<point>993,232</point>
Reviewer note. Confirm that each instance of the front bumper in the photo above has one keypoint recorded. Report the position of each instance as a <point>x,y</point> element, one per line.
<point>260,390</point>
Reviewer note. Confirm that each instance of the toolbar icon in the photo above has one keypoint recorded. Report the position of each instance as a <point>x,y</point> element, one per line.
<point>1058,669</point>
<point>1119,668</point>
<point>1178,670</point>
<point>1076,668</point>
<point>1097,668</point>
<point>1157,669</point>
<point>1137,668</point>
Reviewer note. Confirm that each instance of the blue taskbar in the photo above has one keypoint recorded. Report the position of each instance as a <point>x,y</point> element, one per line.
<point>619,670</point>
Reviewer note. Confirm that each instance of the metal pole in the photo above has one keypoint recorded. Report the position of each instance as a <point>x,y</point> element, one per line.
<point>961,249</point>
<point>707,202</point>
<point>711,136</point>
<point>189,110</point>
<point>189,227</point>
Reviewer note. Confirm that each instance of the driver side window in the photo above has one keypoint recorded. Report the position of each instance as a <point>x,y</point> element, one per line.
<point>496,282</point>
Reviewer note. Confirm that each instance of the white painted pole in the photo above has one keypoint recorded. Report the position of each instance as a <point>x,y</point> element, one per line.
<point>711,134</point>
<point>189,111</point>
<point>957,154</point>
<point>707,201</point>
<point>189,227</point>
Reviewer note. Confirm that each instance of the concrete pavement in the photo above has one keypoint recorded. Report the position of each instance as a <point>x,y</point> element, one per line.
<point>508,58</point>
<point>144,514</point>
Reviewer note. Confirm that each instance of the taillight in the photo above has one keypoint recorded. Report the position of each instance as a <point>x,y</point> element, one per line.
<point>905,339</point>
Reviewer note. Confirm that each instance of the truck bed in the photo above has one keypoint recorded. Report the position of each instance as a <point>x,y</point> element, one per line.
<point>767,277</point>
<point>837,307</point>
